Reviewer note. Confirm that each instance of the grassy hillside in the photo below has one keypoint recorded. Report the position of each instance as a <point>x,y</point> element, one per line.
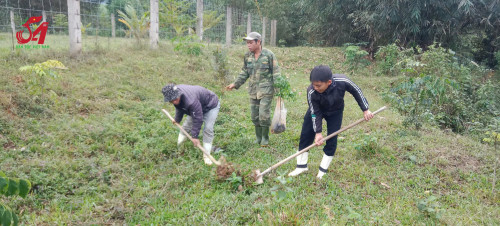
<point>102,152</point>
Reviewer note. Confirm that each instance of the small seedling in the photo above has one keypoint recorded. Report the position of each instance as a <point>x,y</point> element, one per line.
<point>280,191</point>
<point>235,181</point>
<point>430,207</point>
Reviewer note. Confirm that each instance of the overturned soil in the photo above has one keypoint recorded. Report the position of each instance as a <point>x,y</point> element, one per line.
<point>225,170</point>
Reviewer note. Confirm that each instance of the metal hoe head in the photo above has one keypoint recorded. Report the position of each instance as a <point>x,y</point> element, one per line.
<point>258,177</point>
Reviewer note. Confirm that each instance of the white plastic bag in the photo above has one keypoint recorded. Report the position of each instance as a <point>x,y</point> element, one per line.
<point>278,124</point>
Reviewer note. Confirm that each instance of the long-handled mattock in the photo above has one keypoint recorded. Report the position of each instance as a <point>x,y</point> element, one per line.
<point>258,177</point>
<point>191,138</point>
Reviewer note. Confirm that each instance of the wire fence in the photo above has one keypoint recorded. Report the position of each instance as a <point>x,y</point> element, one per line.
<point>97,18</point>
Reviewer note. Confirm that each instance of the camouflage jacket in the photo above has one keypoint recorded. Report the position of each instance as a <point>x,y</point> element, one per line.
<point>261,74</point>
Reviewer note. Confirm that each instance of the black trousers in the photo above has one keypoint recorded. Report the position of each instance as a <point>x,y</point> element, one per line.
<point>333,124</point>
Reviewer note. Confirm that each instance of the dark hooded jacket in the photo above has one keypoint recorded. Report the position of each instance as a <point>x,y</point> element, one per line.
<point>331,101</point>
<point>195,101</point>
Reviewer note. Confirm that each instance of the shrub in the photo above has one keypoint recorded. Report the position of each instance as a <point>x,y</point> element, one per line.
<point>137,23</point>
<point>188,45</point>
<point>440,90</point>
<point>282,43</point>
<point>420,99</point>
<point>11,187</point>
<point>367,146</point>
<point>60,22</point>
<point>355,57</point>
<point>37,77</point>
<point>387,57</point>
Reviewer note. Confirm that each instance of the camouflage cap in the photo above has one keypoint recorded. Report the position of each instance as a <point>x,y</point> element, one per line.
<point>170,92</point>
<point>252,36</point>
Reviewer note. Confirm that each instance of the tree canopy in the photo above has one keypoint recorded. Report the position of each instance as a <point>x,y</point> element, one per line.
<point>471,27</point>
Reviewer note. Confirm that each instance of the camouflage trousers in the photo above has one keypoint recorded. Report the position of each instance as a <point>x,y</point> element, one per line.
<point>261,110</point>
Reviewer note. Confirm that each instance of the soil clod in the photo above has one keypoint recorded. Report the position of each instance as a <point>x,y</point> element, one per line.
<point>225,170</point>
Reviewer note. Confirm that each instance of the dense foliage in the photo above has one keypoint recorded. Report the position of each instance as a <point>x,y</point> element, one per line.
<point>438,88</point>
<point>470,27</point>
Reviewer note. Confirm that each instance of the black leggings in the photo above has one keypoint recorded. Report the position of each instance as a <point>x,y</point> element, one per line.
<point>333,123</point>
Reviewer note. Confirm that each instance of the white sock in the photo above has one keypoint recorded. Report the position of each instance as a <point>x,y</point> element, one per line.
<point>301,165</point>
<point>323,167</point>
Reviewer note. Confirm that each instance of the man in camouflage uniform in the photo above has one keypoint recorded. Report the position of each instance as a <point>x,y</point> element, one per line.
<point>260,66</point>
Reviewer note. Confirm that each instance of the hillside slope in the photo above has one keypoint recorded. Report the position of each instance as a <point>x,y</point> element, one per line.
<point>102,152</point>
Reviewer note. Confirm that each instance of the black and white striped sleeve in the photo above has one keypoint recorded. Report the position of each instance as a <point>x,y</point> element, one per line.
<point>352,88</point>
<point>316,114</point>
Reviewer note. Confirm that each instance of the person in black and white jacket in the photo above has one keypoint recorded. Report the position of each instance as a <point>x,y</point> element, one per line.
<point>325,97</point>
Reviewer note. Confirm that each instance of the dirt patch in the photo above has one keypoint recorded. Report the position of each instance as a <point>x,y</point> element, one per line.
<point>225,170</point>
<point>18,79</point>
<point>9,145</point>
<point>451,161</point>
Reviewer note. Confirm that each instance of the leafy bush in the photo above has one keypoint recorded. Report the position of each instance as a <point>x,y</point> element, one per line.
<point>60,21</point>
<point>188,45</point>
<point>11,187</point>
<point>210,19</point>
<point>492,138</point>
<point>355,57</point>
<point>84,29</point>
<point>388,59</point>
<point>175,14</point>
<point>282,43</point>
<point>367,146</point>
<point>415,98</point>
<point>37,77</point>
<point>137,24</point>
<point>440,90</point>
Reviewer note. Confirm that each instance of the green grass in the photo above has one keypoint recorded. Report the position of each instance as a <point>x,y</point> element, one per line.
<point>105,153</point>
